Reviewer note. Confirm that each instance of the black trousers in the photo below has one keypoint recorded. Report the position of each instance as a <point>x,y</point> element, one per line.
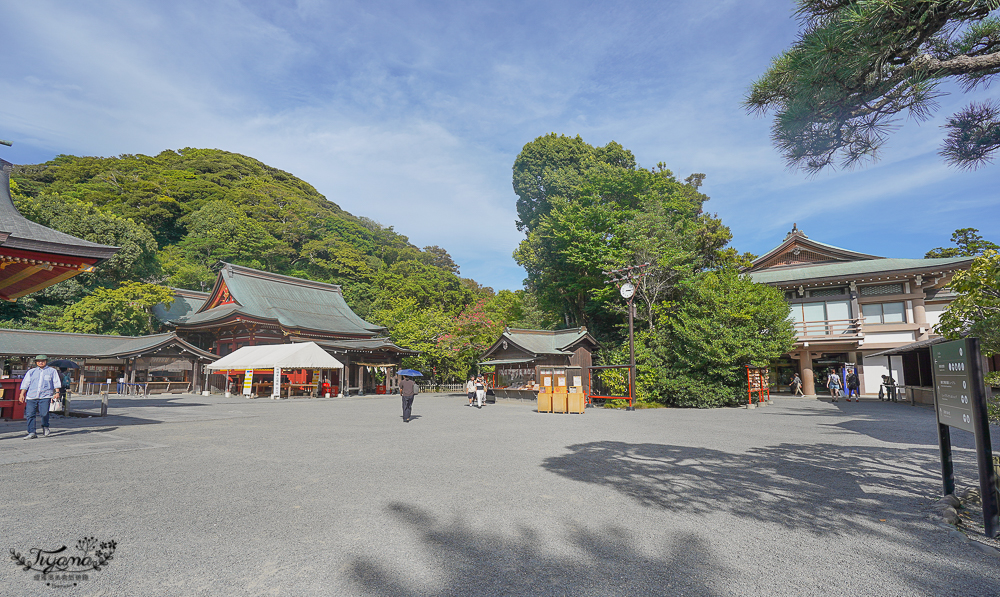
<point>407,406</point>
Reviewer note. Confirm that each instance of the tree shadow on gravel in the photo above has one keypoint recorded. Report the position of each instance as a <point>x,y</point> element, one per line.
<point>471,562</point>
<point>817,488</point>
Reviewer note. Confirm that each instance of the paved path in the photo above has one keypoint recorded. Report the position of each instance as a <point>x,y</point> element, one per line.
<point>216,496</point>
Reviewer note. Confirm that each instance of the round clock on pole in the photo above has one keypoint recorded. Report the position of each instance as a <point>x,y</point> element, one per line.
<point>627,290</point>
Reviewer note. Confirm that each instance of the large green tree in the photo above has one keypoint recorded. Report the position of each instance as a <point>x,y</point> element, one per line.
<point>555,166</point>
<point>724,323</point>
<point>599,214</point>
<point>858,65</point>
<point>968,243</point>
<point>126,310</point>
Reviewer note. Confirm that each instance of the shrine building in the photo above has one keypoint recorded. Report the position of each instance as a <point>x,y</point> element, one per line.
<point>517,353</point>
<point>249,307</point>
<point>847,306</point>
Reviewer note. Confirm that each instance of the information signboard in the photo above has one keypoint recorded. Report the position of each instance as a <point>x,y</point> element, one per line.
<point>953,385</point>
<point>960,402</point>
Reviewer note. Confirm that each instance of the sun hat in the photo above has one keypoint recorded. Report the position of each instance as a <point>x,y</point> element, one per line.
<point>41,357</point>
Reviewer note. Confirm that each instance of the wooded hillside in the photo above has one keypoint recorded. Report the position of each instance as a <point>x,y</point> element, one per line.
<point>178,213</point>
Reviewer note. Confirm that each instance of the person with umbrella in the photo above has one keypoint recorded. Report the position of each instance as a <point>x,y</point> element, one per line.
<point>37,389</point>
<point>408,389</point>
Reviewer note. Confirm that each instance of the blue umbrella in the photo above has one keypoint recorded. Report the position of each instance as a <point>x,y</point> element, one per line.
<point>411,373</point>
<point>63,364</point>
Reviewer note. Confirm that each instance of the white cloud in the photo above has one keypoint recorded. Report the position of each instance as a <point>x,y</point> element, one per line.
<point>413,115</point>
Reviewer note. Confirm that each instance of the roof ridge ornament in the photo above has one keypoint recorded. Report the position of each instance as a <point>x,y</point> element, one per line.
<point>795,232</point>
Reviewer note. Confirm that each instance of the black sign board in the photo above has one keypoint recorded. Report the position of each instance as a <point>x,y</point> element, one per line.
<point>953,385</point>
<point>960,402</point>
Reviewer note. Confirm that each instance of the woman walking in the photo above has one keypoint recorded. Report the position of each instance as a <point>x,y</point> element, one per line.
<point>833,383</point>
<point>480,391</point>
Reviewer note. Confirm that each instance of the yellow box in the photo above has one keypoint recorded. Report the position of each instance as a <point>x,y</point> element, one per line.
<point>544,402</point>
<point>559,403</point>
<point>576,403</point>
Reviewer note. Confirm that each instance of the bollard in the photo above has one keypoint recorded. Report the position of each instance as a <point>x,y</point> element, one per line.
<point>104,404</point>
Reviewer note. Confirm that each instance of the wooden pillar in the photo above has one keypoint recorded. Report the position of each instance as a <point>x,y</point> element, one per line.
<point>920,317</point>
<point>806,371</point>
<point>195,387</point>
<point>83,375</point>
<point>859,360</point>
<point>135,365</point>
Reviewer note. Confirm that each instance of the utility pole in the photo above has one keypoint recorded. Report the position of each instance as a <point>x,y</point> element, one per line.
<point>625,279</point>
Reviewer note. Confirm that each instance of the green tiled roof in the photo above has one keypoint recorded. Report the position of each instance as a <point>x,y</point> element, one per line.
<point>360,344</point>
<point>186,302</point>
<point>295,303</point>
<point>850,269</point>
<point>542,342</point>
<point>62,344</point>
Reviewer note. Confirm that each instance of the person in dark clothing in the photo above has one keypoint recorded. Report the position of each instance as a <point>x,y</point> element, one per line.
<point>408,389</point>
<point>853,386</point>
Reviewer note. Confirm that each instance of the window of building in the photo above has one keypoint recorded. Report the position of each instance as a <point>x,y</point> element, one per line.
<point>821,318</point>
<point>884,313</point>
<point>881,289</point>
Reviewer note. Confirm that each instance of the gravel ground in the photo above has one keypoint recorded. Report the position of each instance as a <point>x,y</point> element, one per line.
<point>217,496</point>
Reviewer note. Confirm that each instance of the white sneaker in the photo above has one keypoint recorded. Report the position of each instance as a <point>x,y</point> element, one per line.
<point>30,436</point>
<point>46,432</point>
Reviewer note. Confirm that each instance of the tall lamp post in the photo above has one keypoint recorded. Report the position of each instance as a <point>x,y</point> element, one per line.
<point>625,279</point>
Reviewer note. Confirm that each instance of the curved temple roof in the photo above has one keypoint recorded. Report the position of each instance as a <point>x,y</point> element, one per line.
<point>64,344</point>
<point>295,303</point>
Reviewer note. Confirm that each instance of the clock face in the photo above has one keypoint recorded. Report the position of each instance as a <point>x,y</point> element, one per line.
<point>627,290</point>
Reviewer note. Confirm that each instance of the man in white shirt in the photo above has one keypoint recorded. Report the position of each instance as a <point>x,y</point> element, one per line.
<point>37,389</point>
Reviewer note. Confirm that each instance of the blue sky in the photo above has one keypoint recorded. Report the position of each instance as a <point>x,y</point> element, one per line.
<point>412,113</point>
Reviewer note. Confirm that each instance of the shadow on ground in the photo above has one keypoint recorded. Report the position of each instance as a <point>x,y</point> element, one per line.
<point>457,560</point>
<point>478,563</point>
<point>821,488</point>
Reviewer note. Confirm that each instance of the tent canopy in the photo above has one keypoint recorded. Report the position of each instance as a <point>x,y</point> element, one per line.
<point>307,355</point>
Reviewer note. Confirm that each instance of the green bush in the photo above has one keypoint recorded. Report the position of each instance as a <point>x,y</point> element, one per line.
<point>688,392</point>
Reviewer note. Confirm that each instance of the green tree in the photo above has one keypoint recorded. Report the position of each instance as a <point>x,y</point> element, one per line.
<point>427,285</point>
<point>136,256</point>
<point>976,312</point>
<point>554,166</point>
<point>724,323</point>
<point>220,231</point>
<point>838,92</point>
<point>614,214</point>
<point>420,328</point>
<point>968,243</point>
<point>126,310</point>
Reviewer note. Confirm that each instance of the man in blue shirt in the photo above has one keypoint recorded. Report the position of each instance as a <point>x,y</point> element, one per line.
<point>38,387</point>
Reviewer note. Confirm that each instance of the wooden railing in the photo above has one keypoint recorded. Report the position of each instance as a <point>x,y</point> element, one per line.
<point>828,328</point>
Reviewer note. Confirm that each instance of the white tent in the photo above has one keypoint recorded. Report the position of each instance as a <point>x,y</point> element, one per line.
<point>307,355</point>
